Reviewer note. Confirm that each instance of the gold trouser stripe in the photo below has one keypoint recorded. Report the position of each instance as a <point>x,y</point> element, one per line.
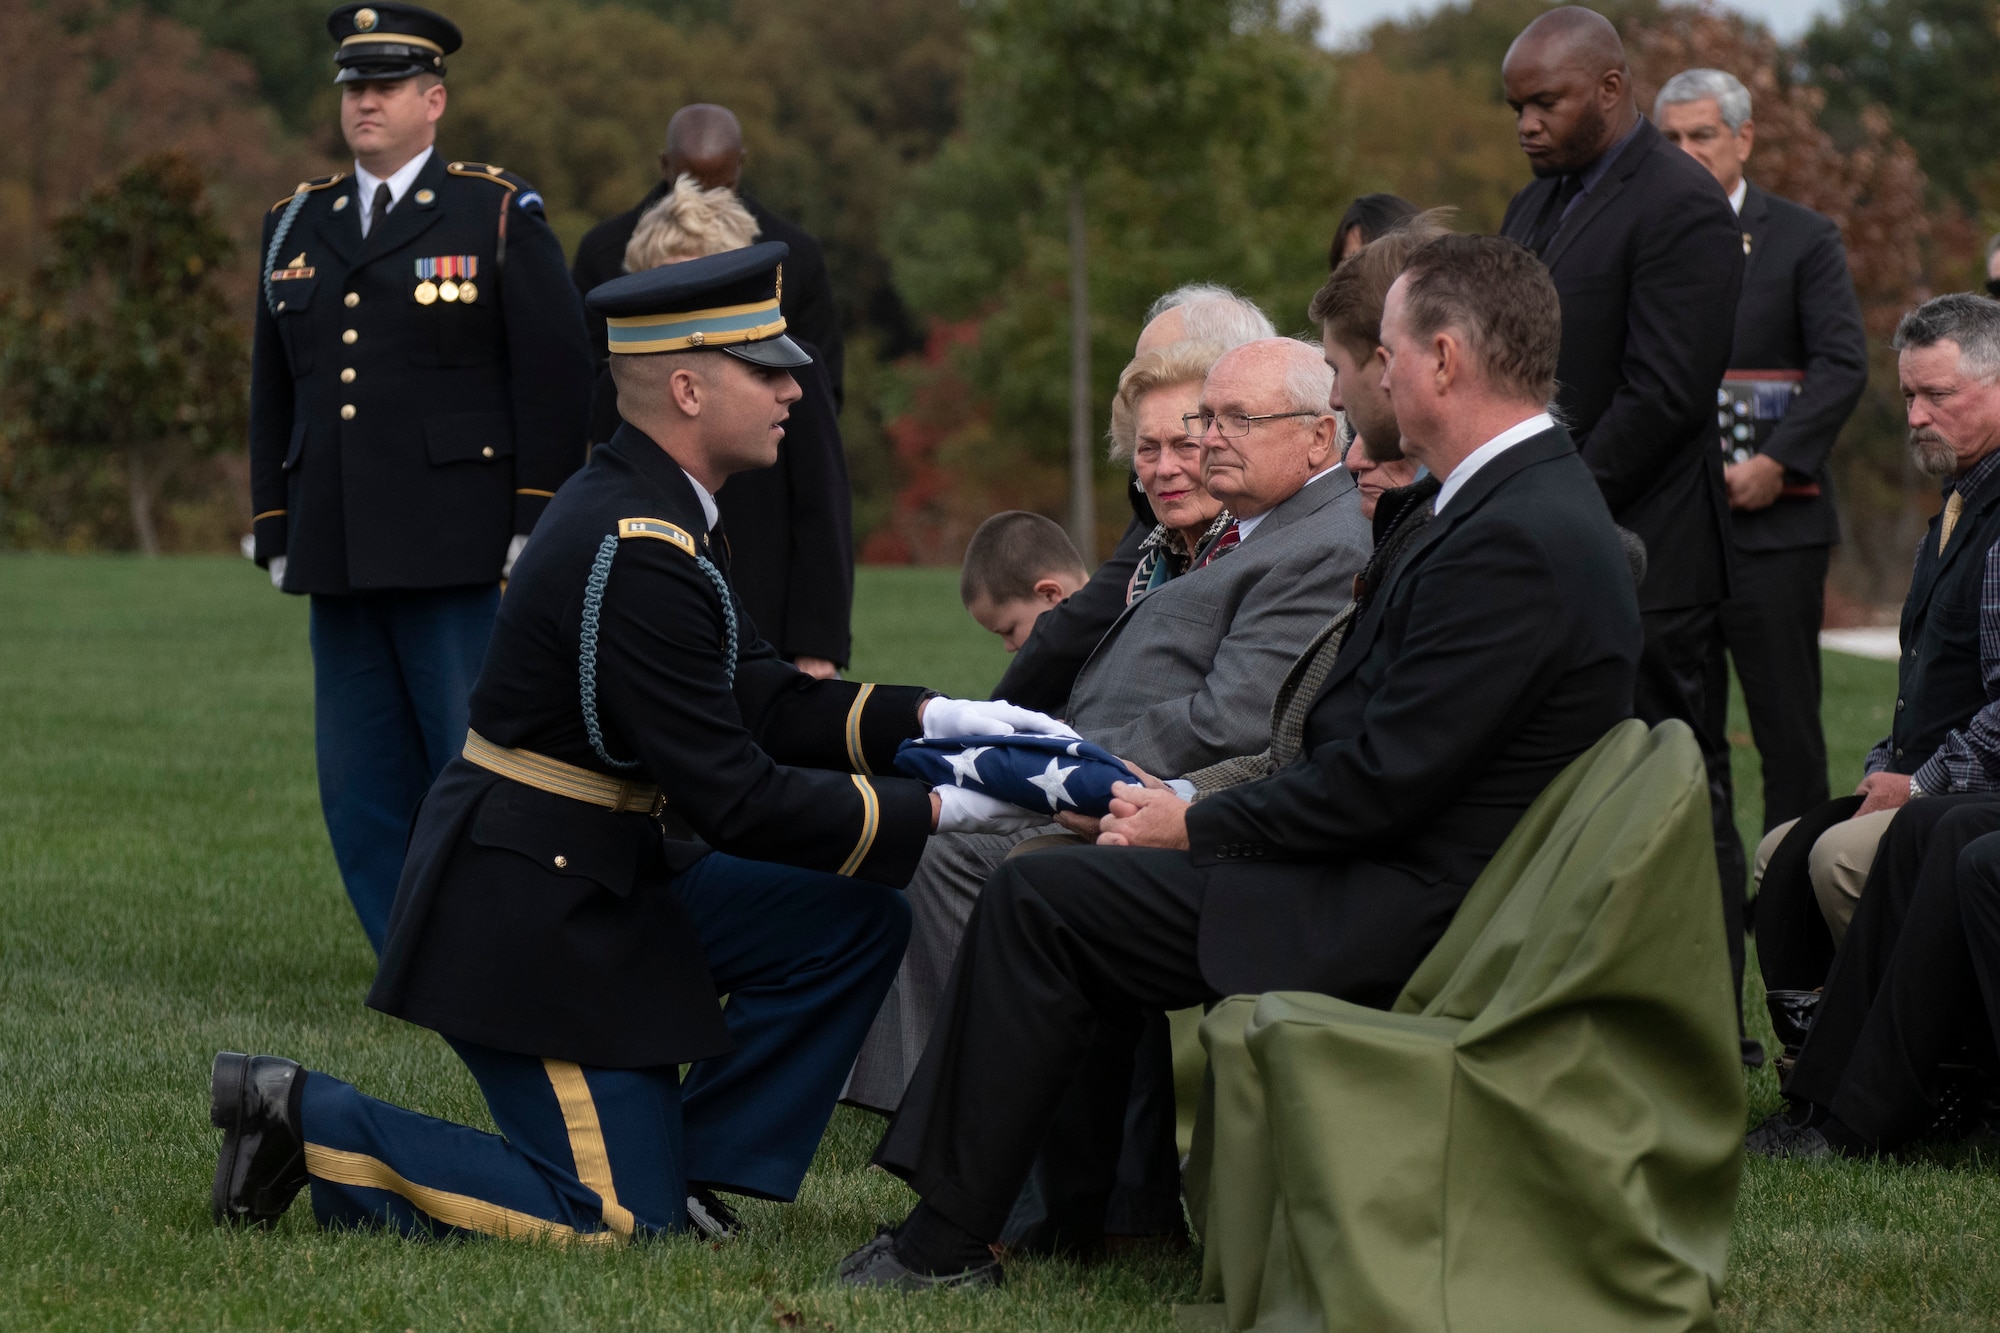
<point>553,775</point>
<point>854,755</point>
<point>457,1210</point>
<point>586,1141</point>
<point>530,490</point>
<point>268,513</point>
<point>871,820</point>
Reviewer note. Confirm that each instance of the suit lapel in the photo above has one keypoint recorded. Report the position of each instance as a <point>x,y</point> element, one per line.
<point>1755,223</point>
<point>1967,521</point>
<point>409,219</point>
<point>1608,187</point>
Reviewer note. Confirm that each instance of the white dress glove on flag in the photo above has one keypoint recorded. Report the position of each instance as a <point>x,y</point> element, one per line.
<point>514,549</point>
<point>984,717</point>
<point>963,811</point>
<point>276,564</point>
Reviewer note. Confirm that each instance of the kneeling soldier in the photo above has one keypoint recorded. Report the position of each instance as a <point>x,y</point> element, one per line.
<point>571,954</point>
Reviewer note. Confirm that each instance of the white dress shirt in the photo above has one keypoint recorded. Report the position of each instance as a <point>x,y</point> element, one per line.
<point>708,509</point>
<point>1739,194</point>
<point>399,184</point>
<point>1486,453</point>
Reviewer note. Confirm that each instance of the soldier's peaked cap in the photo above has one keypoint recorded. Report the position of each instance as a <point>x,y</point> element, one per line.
<point>726,303</point>
<point>390,41</point>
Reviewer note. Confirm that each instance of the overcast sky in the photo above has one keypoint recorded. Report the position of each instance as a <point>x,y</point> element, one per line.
<point>1346,19</point>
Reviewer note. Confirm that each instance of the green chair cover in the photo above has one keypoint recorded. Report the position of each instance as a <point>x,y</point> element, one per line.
<point>1546,1130</point>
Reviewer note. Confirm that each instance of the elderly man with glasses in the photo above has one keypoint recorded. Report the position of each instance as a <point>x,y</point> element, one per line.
<point>1184,678</point>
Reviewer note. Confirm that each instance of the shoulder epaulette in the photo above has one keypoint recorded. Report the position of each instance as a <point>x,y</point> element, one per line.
<point>307,187</point>
<point>484,171</point>
<point>659,530</point>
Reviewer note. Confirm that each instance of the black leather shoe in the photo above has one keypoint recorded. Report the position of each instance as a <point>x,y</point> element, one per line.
<point>1782,1135</point>
<point>254,1101</point>
<point>877,1264</point>
<point>709,1215</point>
<point>1792,1013</point>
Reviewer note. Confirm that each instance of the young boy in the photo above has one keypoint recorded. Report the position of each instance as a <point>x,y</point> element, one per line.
<point>1017,566</point>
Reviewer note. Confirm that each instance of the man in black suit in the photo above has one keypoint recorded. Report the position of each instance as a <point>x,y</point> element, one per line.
<point>1648,260</point>
<point>1501,646</point>
<point>1798,366</point>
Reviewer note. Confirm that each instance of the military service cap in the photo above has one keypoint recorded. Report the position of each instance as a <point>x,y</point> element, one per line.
<point>390,41</point>
<point>726,302</point>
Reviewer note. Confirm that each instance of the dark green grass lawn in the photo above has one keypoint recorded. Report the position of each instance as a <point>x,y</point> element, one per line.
<point>166,891</point>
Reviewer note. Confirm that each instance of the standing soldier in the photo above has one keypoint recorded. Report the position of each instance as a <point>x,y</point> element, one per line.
<point>572,955</point>
<point>1797,368</point>
<point>420,387</point>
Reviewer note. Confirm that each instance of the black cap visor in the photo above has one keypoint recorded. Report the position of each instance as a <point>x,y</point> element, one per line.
<point>779,353</point>
<point>385,72</point>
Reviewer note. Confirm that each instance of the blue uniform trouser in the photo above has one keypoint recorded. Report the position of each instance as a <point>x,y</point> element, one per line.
<point>392,681</point>
<point>805,958</point>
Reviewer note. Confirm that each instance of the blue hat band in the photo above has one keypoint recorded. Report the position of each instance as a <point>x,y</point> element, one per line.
<point>685,330</point>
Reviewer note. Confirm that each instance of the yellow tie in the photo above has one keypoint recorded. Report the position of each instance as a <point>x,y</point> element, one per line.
<point>1954,505</point>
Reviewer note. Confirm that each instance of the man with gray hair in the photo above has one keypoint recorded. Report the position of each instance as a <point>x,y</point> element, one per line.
<point>1945,730</point>
<point>1044,669</point>
<point>1798,365</point>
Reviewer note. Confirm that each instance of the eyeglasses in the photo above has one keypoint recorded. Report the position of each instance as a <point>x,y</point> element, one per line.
<point>1232,425</point>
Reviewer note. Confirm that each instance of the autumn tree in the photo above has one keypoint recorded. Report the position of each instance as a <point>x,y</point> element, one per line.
<point>125,341</point>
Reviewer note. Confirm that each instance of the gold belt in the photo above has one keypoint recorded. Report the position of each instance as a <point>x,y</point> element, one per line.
<point>553,775</point>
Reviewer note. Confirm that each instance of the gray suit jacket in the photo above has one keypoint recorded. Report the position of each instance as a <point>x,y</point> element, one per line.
<point>1186,676</point>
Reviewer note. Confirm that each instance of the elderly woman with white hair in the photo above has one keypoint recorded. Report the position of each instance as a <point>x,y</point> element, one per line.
<point>789,527</point>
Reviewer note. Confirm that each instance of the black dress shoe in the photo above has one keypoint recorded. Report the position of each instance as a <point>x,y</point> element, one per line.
<point>1792,1013</point>
<point>710,1216</point>
<point>254,1101</point>
<point>1779,1137</point>
<point>877,1264</point>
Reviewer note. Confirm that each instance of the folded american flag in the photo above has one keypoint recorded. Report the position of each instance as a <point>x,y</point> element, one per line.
<point>1041,773</point>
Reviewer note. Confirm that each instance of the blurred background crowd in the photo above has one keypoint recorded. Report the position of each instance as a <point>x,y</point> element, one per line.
<point>978,173</point>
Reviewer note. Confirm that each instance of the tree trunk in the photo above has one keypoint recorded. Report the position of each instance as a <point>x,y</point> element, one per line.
<point>140,489</point>
<point>1082,450</point>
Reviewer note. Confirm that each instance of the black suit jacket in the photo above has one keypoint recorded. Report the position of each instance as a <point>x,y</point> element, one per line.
<point>807,301</point>
<point>536,923</point>
<point>1501,646</point>
<point>396,443</point>
<point>1798,312</point>
<point>1648,266</point>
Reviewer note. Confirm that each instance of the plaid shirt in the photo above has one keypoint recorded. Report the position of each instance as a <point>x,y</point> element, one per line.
<point>1969,759</point>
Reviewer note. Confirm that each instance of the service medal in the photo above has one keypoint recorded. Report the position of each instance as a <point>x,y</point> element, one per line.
<point>427,292</point>
<point>468,292</point>
<point>447,290</point>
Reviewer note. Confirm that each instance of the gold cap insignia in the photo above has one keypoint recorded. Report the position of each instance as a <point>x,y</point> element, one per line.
<point>697,337</point>
<point>426,196</point>
<point>365,20</point>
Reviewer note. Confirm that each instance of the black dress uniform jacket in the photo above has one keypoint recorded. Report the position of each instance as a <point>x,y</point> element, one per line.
<point>396,444</point>
<point>1648,266</point>
<point>537,923</point>
<point>1501,646</point>
<point>1798,312</point>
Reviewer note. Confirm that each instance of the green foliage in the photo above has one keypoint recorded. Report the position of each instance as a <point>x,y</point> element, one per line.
<point>1932,65</point>
<point>125,340</point>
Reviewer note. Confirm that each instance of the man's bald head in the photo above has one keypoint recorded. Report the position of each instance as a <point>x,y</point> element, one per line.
<point>706,142</point>
<point>1566,78</point>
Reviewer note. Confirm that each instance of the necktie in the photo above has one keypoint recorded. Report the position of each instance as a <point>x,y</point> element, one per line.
<point>718,546</point>
<point>1954,505</point>
<point>1552,216</point>
<point>380,208</point>
<point>1229,538</point>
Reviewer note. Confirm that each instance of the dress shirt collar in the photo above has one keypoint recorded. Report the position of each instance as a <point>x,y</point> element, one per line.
<point>1739,194</point>
<point>1486,453</point>
<point>399,183</point>
<point>1976,479</point>
<point>1595,171</point>
<point>708,509</point>
<point>1246,526</point>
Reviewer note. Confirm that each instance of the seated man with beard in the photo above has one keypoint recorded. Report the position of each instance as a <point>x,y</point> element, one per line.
<point>1503,645</point>
<point>1945,733</point>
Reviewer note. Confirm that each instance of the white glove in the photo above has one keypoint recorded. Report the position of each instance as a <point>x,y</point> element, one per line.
<point>982,717</point>
<point>963,811</point>
<point>277,568</point>
<point>514,549</point>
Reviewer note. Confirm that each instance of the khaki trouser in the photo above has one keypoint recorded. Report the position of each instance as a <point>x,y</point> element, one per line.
<point>1838,864</point>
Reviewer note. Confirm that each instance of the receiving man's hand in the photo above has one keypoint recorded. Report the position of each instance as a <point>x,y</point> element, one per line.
<point>1144,817</point>
<point>1755,483</point>
<point>984,717</point>
<point>1883,791</point>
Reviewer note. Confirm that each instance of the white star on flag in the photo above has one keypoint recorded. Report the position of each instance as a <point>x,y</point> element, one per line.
<point>965,764</point>
<point>1072,751</point>
<point>1051,783</point>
